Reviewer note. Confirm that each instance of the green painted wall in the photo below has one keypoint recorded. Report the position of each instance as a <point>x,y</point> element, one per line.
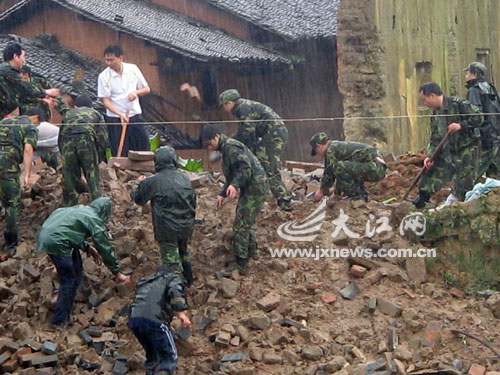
<point>444,33</point>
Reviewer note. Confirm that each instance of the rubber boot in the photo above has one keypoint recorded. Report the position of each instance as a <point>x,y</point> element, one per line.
<point>253,252</point>
<point>187,272</point>
<point>285,205</point>
<point>421,200</point>
<point>241,264</point>
<point>11,242</point>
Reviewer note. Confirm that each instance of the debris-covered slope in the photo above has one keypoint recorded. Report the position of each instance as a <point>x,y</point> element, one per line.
<point>286,316</point>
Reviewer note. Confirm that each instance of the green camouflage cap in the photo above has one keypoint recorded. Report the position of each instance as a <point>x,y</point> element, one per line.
<point>476,68</point>
<point>229,96</point>
<point>317,139</point>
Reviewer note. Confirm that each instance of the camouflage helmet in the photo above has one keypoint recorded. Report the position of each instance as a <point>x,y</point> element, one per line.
<point>229,96</point>
<point>477,68</point>
<point>317,139</point>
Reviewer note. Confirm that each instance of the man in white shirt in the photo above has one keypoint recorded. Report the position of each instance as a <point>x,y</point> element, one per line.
<point>119,87</point>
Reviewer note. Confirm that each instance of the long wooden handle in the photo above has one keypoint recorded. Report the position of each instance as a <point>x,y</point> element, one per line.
<point>424,169</point>
<point>122,136</point>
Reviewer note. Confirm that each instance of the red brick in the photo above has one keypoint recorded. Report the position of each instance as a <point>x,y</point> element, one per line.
<point>358,271</point>
<point>476,369</point>
<point>328,298</point>
<point>457,293</point>
<point>432,334</point>
<point>9,366</point>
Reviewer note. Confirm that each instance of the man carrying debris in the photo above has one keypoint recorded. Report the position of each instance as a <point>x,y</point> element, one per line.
<point>62,236</point>
<point>348,163</point>
<point>266,138</point>
<point>485,96</point>
<point>14,90</point>
<point>243,172</point>
<point>173,202</point>
<point>18,137</point>
<point>459,159</point>
<point>157,298</point>
<point>119,87</point>
<point>83,145</point>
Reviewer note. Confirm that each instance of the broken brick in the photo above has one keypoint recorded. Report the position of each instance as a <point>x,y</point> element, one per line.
<point>30,272</point>
<point>476,369</point>
<point>358,271</point>
<point>328,298</point>
<point>432,334</point>
<point>222,339</point>
<point>49,347</point>
<point>4,357</point>
<point>269,302</point>
<point>8,345</point>
<point>9,366</point>
<point>457,293</point>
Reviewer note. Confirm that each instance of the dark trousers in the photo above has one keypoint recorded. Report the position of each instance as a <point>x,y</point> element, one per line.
<point>70,273</point>
<point>137,138</point>
<point>158,342</point>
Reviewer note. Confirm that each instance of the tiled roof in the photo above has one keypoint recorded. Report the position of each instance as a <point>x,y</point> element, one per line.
<point>167,29</point>
<point>58,64</point>
<point>293,19</point>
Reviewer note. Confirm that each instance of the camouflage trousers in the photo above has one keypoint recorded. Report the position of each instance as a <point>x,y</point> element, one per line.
<point>10,198</point>
<point>244,237</point>
<point>490,162</point>
<point>461,167</point>
<point>350,175</point>
<point>268,151</point>
<point>79,154</point>
<point>174,251</point>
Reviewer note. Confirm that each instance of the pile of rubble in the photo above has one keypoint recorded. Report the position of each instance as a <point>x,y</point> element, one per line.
<point>353,316</point>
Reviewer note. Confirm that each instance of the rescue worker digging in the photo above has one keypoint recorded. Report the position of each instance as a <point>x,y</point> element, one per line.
<point>62,236</point>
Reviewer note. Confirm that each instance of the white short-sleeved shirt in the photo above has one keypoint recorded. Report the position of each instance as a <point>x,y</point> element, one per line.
<point>111,85</point>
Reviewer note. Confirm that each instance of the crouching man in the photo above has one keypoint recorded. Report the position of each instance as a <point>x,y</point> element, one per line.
<point>62,236</point>
<point>157,298</point>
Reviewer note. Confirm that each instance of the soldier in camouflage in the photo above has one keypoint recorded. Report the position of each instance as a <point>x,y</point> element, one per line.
<point>173,203</point>
<point>18,137</point>
<point>485,96</point>
<point>43,84</point>
<point>266,139</point>
<point>14,90</point>
<point>350,164</point>
<point>243,172</point>
<point>459,159</point>
<point>82,144</point>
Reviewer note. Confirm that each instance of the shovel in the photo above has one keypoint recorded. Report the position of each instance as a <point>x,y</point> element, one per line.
<point>122,136</point>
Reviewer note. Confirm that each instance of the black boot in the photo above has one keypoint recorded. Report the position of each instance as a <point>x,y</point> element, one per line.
<point>421,200</point>
<point>11,242</point>
<point>241,265</point>
<point>187,272</point>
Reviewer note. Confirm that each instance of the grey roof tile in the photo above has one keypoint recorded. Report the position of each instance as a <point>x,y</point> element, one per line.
<point>293,19</point>
<point>58,64</point>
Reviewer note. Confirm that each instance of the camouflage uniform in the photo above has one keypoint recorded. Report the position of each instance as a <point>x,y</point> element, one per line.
<point>12,141</point>
<point>14,90</point>
<point>79,142</point>
<point>350,164</point>
<point>173,203</point>
<point>243,170</point>
<point>458,159</point>
<point>266,140</point>
<point>480,93</point>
